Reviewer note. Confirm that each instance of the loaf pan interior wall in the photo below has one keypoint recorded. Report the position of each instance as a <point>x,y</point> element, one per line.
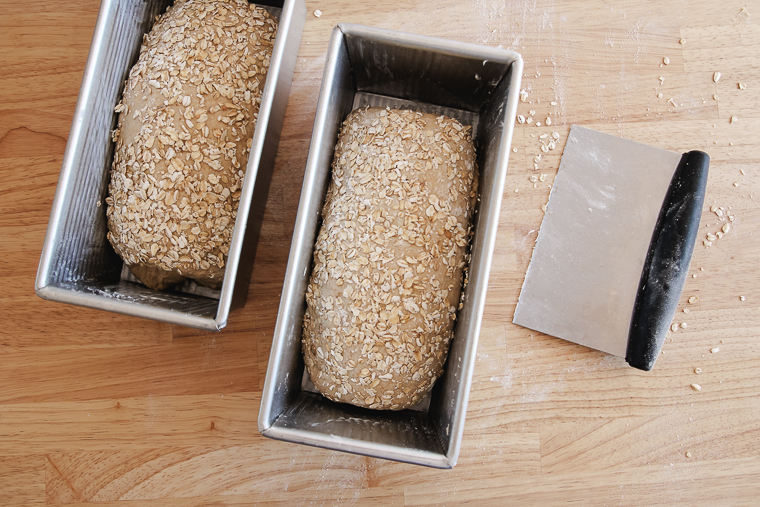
<point>81,253</point>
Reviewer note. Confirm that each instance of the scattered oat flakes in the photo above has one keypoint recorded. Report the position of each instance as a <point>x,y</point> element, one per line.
<point>716,77</point>
<point>725,228</point>
<point>514,150</point>
<point>674,327</point>
<point>548,121</point>
<point>734,119</point>
<point>688,454</point>
<point>697,370</point>
<point>317,13</point>
<point>666,61</point>
<point>736,183</point>
<point>714,350</point>
<point>682,41</point>
<point>538,124</point>
<point>686,310</point>
<point>742,298</point>
<point>543,208</point>
<point>696,387</point>
<point>741,85</point>
<point>553,103</point>
<point>661,79</point>
<point>520,118</point>
<point>683,325</point>
<point>693,299</point>
<point>715,97</point>
<point>523,95</point>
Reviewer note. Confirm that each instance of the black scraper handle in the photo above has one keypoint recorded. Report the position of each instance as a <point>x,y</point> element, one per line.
<point>668,259</point>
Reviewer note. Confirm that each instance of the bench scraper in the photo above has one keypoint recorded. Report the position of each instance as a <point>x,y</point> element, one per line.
<point>614,248</point>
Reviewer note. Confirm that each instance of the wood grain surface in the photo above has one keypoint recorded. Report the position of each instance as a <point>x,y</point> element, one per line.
<point>98,407</point>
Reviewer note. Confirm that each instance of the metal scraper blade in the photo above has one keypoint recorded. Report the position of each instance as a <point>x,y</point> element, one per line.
<point>593,246</point>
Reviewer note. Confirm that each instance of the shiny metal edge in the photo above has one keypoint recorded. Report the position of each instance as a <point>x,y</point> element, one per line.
<point>445,46</point>
<point>338,443</point>
<point>479,276</point>
<point>293,17</point>
<point>105,17</point>
<point>301,248</point>
<point>60,295</point>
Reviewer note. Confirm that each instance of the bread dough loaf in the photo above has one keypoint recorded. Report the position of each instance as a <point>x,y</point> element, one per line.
<point>389,258</point>
<point>186,121</point>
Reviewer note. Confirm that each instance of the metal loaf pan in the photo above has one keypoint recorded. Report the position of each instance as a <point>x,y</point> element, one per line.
<point>78,265</point>
<point>478,85</point>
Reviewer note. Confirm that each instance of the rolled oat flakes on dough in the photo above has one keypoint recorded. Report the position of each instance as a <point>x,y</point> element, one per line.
<point>389,257</point>
<point>184,132</point>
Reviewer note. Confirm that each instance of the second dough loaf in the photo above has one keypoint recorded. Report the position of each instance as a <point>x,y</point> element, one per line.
<point>389,258</point>
<point>186,121</point>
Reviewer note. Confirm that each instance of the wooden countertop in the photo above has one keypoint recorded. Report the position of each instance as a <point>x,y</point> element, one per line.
<point>102,407</point>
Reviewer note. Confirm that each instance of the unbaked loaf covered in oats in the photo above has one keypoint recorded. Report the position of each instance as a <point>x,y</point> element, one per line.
<point>389,257</point>
<point>186,121</point>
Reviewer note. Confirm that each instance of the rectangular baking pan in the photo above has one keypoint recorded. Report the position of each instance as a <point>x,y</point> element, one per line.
<point>478,85</point>
<point>78,265</point>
